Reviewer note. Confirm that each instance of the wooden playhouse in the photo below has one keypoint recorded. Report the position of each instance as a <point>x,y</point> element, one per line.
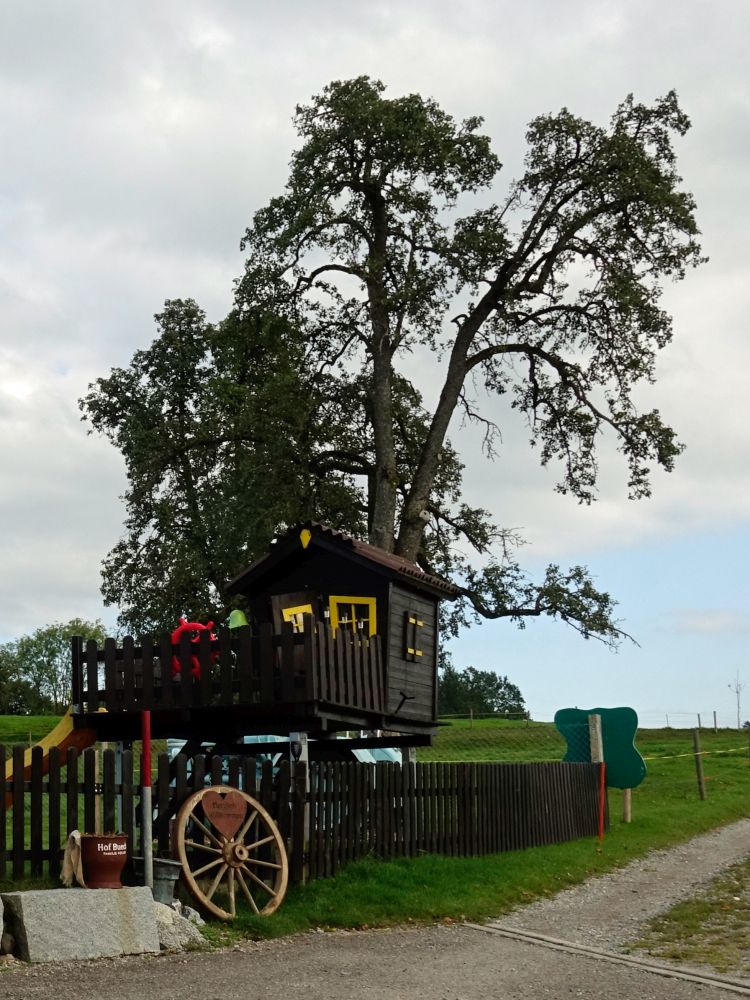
<point>341,636</point>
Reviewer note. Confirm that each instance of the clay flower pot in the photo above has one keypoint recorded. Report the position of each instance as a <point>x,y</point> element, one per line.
<point>103,857</point>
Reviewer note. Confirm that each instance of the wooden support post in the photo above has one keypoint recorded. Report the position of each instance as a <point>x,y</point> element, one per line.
<point>716,728</point>
<point>97,789</point>
<point>627,805</point>
<point>699,721</point>
<point>699,764</point>
<point>300,754</point>
<point>596,745</point>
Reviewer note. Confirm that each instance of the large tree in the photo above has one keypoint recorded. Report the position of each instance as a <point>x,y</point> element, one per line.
<point>298,404</point>
<point>551,296</point>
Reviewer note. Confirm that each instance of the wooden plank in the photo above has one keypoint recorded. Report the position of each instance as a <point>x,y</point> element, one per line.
<point>234,772</point>
<point>309,661</point>
<point>165,663</point>
<point>217,775</point>
<point>347,646</point>
<point>286,657</point>
<point>181,787</point>
<point>199,772</point>
<point>299,835</point>
<point>163,802</point>
<point>76,678</point>
<point>109,821</point>
<point>336,831</point>
<point>267,660</point>
<point>356,692</point>
<point>245,665</point>
<point>3,815</point>
<point>203,692</point>
<point>89,791</point>
<point>92,676</point>
<point>185,657</point>
<point>329,801</point>
<point>127,800</point>
<point>147,672</point>
<point>36,821</point>
<point>225,667</point>
<point>111,695</point>
<point>128,674</point>
<point>282,810</point>
<point>71,790</point>
<point>17,822</point>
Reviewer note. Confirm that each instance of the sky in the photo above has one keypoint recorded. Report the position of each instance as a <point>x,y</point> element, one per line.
<point>139,139</point>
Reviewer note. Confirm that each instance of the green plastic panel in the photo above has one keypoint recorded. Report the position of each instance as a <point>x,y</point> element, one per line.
<point>625,766</point>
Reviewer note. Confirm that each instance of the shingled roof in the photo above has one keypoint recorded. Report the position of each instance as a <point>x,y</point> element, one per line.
<point>323,536</point>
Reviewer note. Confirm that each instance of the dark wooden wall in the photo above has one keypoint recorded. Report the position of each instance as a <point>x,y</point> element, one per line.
<point>418,678</point>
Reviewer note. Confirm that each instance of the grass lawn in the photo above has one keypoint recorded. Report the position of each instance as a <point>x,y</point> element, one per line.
<point>711,929</point>
<point>666,810</point>
<point>26,729</point>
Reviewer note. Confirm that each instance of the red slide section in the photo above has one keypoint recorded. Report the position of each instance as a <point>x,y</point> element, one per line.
<point>64,735</point>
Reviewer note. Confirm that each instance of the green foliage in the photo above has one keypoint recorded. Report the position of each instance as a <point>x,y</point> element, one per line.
<point>35,669</point>
<point>478,691</point>
<point>297,404</point>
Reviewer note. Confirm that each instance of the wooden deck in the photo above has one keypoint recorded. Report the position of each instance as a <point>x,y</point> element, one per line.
<point>246,682</point>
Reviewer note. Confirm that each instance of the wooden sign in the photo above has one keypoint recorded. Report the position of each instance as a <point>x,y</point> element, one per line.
<point>226,812</point>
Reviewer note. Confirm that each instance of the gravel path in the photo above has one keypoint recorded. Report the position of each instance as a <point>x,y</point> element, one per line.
<point>428,963</point>
<point>609,910</point>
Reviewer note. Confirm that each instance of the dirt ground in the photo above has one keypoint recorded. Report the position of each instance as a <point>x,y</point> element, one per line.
<point>455,962</point>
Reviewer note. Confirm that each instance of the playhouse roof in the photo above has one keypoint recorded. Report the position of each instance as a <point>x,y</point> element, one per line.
<point>292,544</point>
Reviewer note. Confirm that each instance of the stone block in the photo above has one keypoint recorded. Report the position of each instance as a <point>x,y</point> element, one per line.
<point>59,925</point>
<point>175,931</point>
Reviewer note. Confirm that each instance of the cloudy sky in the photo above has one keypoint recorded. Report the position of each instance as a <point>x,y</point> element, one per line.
<point>138,139</point>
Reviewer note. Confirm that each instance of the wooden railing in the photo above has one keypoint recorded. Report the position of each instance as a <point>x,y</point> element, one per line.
<point>239,667</point>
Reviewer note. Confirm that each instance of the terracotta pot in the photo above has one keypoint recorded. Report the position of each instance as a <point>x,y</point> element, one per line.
<point>103,857</point>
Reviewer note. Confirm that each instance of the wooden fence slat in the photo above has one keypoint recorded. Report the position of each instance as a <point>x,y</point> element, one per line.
<point>127,800</point>
<point>89,790</point>
<point>109,822</point>
<point>111,687</point>
<point>71,790</point>
<point>245,665</point>
<point>266,659</point>
<point>18,824</point>
<point>299,835</point>
<point>3,814</point>
<point>35,811</point>
<point>92,676</point>
<point>185,676</point>
<point>286,655</point>
<point>165,666</point>
<point>162,799</point>
<point>128,673</point>
<point>147,672</point>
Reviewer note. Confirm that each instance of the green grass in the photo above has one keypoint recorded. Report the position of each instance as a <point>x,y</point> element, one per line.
<point>25,728</point>
<point>711,929</point>
<point>666,810</point>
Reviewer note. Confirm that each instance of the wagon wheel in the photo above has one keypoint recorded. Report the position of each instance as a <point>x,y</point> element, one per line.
<point>226,839</point>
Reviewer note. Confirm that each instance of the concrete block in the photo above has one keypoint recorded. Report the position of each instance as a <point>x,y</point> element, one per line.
<point>60,925</point>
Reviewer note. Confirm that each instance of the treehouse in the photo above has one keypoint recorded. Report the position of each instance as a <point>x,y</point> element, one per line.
<point>340,635</point>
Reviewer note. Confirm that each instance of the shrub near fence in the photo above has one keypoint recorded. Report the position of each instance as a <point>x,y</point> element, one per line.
<point>351,810</point>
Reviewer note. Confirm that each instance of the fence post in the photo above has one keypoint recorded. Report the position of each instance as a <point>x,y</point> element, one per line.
<point>596,745</point>
<point>300,754</point>
<point>716,728</point>
<point>699,764</point>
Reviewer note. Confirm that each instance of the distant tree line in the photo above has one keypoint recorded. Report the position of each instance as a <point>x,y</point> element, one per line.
<point>35,669</point>
<point>481,692</point>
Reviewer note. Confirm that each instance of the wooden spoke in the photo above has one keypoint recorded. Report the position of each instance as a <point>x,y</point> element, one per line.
<point>260,843</point>
<point>235,861</point>
<point>215,884</point>
<point>232,904</point>
<point>262,864</point>
<point>204,828</point>
<point>246,825</point>
<point>248,894</point>
<point>202,847</point>
<point>205,868</point>
<point>258,881</point>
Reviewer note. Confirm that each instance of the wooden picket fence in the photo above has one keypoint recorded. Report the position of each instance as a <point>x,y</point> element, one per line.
<point>328,813</point>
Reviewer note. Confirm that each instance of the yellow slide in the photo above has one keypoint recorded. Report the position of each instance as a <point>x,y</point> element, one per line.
<point>64,735</point>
